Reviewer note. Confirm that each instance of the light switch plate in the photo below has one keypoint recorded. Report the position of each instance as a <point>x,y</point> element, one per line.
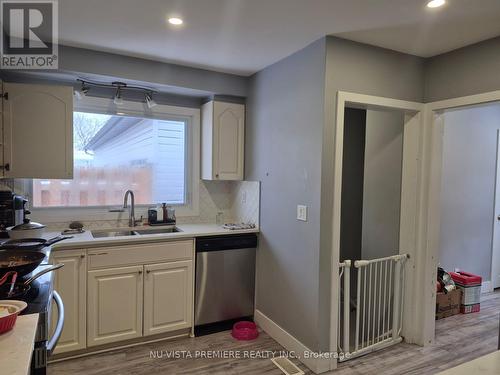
<point>302,212</point>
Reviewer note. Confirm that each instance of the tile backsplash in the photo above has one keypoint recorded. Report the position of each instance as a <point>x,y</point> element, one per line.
<point>238,201</point>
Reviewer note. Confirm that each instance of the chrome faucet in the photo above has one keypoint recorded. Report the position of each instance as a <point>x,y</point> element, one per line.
<point>131,216</point>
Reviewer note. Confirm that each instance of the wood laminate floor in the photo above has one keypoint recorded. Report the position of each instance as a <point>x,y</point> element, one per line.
<point>459,339</point>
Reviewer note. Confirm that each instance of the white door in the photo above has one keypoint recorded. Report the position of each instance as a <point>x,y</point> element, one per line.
<point>495,258</point>
<point>229,132</point>
<point>114,305</point>
<point>168,297</point>
<point>38,131</point>
<point>70,283</point>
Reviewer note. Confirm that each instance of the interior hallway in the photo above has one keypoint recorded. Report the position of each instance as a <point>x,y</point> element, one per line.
<point>459,339</point>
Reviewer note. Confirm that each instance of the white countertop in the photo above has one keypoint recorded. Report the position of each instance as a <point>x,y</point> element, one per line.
<point>16,346</point>
<point>485,365</point>
<point>187,231</point>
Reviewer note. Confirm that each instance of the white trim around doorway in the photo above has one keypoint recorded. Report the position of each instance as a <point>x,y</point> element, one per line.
<point>434,151</point>
<point>412,194</point>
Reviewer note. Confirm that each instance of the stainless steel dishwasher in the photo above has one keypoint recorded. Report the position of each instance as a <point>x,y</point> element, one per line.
<point>225,281</point>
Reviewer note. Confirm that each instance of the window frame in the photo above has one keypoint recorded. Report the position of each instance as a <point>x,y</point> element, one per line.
<point>191,116</point>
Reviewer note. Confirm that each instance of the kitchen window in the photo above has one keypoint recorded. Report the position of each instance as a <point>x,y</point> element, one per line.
<point>153,152</point>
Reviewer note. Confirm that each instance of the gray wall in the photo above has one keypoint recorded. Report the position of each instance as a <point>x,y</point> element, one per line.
<point>135,69</point>
<point>382,183</point>
<point>181,85</point>
<point>283,151</point>
<point>466,71</point>
<point>360,68</point>
<point>290,148</point>
<point>468,183</point>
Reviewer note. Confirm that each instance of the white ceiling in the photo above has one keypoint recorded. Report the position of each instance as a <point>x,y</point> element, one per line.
<point>244,36</point>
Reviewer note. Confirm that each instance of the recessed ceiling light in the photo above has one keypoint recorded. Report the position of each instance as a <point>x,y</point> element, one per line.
<point>175,21</point>
<point>436,3</point>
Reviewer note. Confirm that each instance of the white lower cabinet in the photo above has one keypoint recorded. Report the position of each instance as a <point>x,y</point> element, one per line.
<point>114,305</point>
<point>119,293</point>
<point>168,295</point>
<point>71,284</point>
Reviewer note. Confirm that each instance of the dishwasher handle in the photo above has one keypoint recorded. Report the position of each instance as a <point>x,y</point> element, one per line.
<point>228,242</point>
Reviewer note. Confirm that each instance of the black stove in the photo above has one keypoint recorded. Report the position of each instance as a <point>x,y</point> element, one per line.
<point>39,295</point>
<point>39,299</point>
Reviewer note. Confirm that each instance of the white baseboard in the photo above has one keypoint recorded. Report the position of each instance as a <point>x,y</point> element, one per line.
<point>290,343</point>
<point>486,287</point>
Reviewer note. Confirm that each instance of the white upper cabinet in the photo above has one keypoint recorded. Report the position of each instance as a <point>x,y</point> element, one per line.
<point>37,131</point>
<point>223,141</point>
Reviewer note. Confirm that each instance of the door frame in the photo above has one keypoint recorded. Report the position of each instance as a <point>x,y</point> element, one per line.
<point>434,127</point>
<point>495,255</point>
<point>411,194</point>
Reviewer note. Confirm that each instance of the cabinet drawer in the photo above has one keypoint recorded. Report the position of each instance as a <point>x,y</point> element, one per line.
<point>140,254</point>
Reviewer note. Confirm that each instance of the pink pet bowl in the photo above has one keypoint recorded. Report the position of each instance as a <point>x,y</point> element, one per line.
<point>245,331</point>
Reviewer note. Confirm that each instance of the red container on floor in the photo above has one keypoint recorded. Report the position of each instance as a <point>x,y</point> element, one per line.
<point>470,285</point>
<point>245,331</point>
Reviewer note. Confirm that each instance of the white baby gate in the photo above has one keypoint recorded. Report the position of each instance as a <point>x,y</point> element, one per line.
<point>377,308</point>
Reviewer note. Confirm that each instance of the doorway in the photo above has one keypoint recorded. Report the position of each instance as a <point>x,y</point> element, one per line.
<point>401,229</point>
<point>470,192</point>
<point>431,206</point>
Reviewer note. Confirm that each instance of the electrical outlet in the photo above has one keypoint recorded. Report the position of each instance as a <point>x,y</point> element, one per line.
<point>302,212</point>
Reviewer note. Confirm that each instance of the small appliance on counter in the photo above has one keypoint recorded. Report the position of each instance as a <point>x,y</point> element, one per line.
<point>12,211</point>
<point>161,215</point>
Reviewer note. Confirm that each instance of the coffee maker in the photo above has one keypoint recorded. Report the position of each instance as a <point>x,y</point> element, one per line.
<point>12,211</point>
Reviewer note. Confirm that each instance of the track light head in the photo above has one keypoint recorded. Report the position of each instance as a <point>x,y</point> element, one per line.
<point>149,100</point>
<point>118,100</point>
<point>82,92</point>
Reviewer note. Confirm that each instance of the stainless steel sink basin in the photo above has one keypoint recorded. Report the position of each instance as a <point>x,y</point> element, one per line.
<point>170,229</point>
<point>112,233</point>
<point>128,232</point>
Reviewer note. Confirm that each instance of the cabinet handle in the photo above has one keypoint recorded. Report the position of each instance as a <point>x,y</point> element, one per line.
<point>82,256</point>
<point>5,167</point>
<point>217,175</point>
<point>148,271</point>
<point>100,254</point>
<point>139,272</point>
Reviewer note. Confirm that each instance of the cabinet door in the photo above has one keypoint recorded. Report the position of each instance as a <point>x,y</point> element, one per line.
<point>229,135</point>
<point>114,305</point>
<point>71,284</point>
<point>38,131</point>
<point>168,297</point>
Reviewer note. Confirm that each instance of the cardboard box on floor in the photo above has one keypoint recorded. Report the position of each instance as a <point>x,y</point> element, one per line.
<point>448,304</point>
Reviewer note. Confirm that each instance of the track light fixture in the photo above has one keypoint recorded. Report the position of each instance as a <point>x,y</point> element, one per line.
<point>119,89</point>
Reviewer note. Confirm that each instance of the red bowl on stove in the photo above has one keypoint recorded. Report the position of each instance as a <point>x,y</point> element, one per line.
<point>13,307</point>
<point>245,331</point>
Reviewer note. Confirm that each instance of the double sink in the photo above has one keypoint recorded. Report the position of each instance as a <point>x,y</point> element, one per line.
<point>138,232</point>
